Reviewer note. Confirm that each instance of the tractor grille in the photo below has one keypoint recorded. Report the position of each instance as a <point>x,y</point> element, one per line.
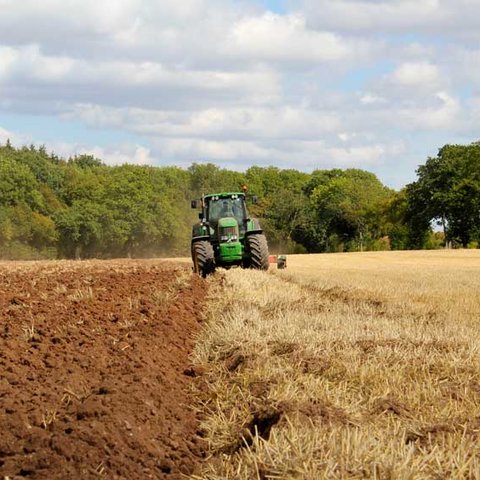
<point>228,231</point>
<point>228,234</point>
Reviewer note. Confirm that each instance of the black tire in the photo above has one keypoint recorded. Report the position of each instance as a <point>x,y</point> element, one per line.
<point>203,258</point>
<point>258,251</point>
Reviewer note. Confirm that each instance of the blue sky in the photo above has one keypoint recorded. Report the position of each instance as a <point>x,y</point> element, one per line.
<point>277,6</point>
<point>306,84</point>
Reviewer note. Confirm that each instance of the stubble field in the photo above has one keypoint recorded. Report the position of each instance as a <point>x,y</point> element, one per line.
<point>344,366</point>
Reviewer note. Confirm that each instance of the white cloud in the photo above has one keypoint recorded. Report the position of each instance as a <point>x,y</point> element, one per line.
<point>111,155</point>
<point>458,17</point>
<point>29,63</point>
<point>463,63</point>
<point>8,58</point>
<point>416,73</point>
<point>371,99</point>
<point>285,122</point>
<point>16,138</point>
<point>474,118</point>
<point>305,155</point>
<point>277,37</point>
<point>136,154</point>
<point>444,115</point>
<point>4,135</point>
<point>355,156</point>
<point>125,152</point>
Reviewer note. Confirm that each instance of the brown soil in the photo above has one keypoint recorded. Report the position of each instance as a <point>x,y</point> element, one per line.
<point>94,369</point>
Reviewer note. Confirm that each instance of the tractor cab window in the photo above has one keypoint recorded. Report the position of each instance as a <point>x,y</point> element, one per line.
<point>226,207</point>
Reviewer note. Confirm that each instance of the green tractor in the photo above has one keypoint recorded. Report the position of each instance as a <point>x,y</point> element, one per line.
<point>226,236</point>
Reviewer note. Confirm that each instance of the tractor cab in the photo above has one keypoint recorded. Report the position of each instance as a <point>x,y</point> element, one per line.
<point>232,206</point>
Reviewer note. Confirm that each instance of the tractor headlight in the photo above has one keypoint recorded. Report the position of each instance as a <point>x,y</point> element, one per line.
<point>228,238</point>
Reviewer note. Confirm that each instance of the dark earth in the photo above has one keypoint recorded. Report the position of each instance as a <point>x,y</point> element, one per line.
<point>95,377</point>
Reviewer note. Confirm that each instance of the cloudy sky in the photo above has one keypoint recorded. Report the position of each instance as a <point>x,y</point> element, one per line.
<point>306,84</point>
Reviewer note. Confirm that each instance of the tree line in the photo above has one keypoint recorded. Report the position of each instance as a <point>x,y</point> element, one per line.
<point>82,208</point>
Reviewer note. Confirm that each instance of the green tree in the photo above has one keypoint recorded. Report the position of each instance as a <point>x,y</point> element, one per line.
<point>80,229</point>
<point>209,178</point>
<point>285,208</point>
<point>18,185</point>
<point>447,192</point>
<point>346,206</point>
<point>85,161</point>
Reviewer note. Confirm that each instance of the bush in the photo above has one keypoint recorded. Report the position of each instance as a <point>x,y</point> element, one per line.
<point>434,241</point>
<point>381,244</point>
<point>22,251</point>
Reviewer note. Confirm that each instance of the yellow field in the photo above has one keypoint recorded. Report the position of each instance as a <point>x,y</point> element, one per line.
<point>345,366</point>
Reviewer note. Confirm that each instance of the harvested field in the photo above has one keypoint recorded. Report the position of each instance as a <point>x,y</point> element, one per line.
<point>341,366</point>
<point>344,366</point>
<point>95,380</point>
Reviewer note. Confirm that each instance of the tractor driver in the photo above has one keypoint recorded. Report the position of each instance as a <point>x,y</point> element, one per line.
<point>227,209</point>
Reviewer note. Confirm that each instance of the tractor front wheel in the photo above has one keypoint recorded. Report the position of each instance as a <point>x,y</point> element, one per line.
<point>258,251</point>
<point>203,258</point>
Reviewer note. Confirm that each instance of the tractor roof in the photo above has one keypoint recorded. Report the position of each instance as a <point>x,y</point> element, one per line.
<point>224,195</point>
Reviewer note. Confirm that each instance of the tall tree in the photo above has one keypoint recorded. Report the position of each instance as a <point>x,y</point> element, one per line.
<point>447,192</point>
<point>346,207</point>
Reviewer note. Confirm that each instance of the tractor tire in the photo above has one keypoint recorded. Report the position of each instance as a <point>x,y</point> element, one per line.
<point>258,250</point>
<point>203,258</point>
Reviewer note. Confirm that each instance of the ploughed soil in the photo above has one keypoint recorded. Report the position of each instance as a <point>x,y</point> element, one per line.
<point>95,378</point>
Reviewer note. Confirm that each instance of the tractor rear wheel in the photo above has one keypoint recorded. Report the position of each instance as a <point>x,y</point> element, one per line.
<point>203,258</point>
<point>258,250</point>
